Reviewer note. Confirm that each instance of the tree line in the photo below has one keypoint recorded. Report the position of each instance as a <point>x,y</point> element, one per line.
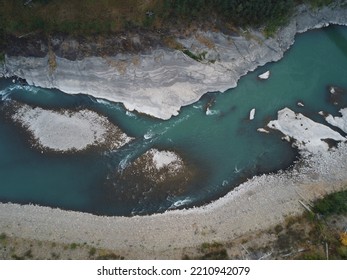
<point>81,17</point>
<point>239,12</point>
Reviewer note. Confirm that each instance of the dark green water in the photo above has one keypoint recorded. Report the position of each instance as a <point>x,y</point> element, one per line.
<point>225,146</point>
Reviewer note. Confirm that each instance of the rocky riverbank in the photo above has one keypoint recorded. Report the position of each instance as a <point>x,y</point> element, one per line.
<point>154,78</point>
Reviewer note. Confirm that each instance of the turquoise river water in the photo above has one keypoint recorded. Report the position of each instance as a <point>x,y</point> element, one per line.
<point>225,146</point>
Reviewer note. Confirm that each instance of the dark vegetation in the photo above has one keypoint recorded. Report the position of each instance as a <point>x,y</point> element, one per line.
<point>335,203</point>
<point>324,233</point>
<point>12,248</point>
<point>320,234</point>
<point>213,251</point>
<point>319,3</point>
<point>84,17</point>
<point>210,251</point>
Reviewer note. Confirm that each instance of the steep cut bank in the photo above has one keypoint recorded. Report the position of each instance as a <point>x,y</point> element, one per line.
<point>159,81</point>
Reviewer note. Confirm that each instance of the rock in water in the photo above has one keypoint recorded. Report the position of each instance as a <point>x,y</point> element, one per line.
<point>308,135</point>
<point>340,122</point>
<point>157,174</point>
<point>252,114</point>
<point>264,76</point>
<point>263,130</point>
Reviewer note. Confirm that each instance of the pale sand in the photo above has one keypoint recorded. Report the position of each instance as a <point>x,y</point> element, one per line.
<point>259,203</point>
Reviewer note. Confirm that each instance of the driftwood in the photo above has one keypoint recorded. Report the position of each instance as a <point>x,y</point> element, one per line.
<point>265,256</point>
<point>305,206</point>
<point>305,199</point>
<point>292,253</point>
<point>244,248</point>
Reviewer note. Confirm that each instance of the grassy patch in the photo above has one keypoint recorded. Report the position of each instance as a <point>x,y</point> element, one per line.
<point>313,256</point>
<point>28,254</point>
<point>335,203</point>
<point>16,257</point>
<point>322,233</point>
<point>205,41</point>
<point>110,256</point>
<point>213,251</point>
<point>198,57</point>
<point>92,252</point>
<point>171,42</point>
<point>73,246</point>
<point>319,3</point>
<point>278,229</point>
<point>3,236</point>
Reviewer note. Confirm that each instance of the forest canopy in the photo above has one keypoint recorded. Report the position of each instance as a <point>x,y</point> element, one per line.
<point>106,16</point>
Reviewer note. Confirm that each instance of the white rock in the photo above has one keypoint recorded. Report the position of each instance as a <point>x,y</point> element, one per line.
<point>264,76</point>
<point>308,135</point>
<point>210,112</point>
<point>163,158</point>
<point>332,90</point>
<point>252,114</point>
<point>340,122</point>
<point>263,130</point>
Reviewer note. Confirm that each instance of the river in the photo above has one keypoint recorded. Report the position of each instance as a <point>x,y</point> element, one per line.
<point>221,141</point>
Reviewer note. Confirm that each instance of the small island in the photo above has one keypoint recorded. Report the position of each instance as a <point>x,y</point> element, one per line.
<point>66,131</point>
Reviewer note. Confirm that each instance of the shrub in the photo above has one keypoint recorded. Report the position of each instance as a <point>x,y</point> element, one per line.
<point>278,229</point>
<point>92,251</point>
<point>342,252</point>
<point>313,256</point>
<point>3,236</point>
<point>213,251</point>
<point>335,203</point>
<point>319,3</point>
